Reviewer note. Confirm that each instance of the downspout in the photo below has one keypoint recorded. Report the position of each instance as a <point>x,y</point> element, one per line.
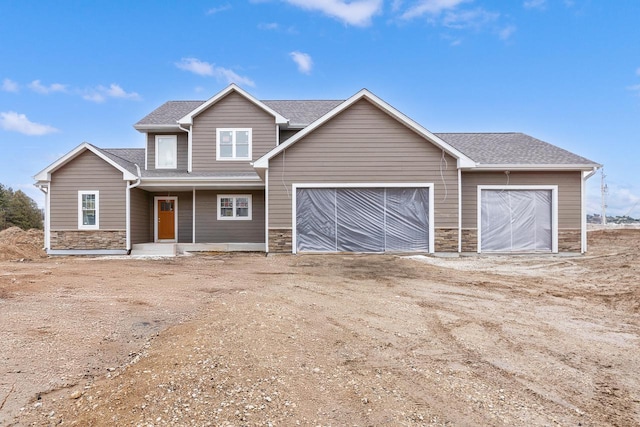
<point>128,207</point>
<point>47,238</point>
<point>459,210</point>
<point>189,148</point>
<point>583,232</point>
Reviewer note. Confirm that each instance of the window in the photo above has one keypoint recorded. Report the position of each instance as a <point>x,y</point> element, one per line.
<point>166,152</point>
<point>233,144</point>
<point>88,210</point>
<point>234,207</point>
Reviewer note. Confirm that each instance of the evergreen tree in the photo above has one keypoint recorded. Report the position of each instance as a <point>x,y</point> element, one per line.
<point>19,210</point>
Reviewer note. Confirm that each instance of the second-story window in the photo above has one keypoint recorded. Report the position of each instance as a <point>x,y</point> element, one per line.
<point>166,152</point>
<point>233,144</point>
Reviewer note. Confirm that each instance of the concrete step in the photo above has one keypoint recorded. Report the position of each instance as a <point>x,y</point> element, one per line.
<point>154,249</point>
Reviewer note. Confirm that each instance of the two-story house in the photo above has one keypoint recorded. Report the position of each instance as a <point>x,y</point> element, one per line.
<point>354,175</point>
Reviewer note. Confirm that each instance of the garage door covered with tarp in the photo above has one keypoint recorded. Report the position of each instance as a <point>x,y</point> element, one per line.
<point>362,219</point>
<point>516,221</point>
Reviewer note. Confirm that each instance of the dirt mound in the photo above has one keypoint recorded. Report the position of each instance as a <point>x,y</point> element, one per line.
<point>15,243</point>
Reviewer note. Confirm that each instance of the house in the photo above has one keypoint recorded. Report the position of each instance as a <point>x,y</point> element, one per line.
<point>237,173</point>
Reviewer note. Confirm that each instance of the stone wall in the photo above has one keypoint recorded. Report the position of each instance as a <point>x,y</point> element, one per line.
<point>280,240</point>
<point>446,240</point>
<point>569,240</point>
<point>88,239</point>
<point>469,240</point>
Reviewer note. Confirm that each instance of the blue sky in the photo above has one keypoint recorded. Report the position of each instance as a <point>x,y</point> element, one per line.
<point>564,71</point>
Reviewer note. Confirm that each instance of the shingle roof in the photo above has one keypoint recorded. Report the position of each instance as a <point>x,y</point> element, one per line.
<point>299,113</point>
<point>169,113</point>
<point>511,149</point>
<point>126,157</point>
<point>302,113</point>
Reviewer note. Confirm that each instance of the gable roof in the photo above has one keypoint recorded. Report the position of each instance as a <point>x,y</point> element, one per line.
<point>463,160</point>
<point>513,149</point>
<point>45,174</point>
<point>187,119</point>
<point>302,113</point>
<point>167,114</point>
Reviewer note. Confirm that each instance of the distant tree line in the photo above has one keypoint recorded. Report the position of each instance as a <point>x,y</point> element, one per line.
<point>18,210</point>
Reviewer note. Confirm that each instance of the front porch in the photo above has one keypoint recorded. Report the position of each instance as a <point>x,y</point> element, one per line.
<point>174,249</point>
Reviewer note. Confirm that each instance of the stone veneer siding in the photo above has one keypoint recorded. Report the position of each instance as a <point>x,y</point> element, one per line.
<point>446,240</point>
<point>89,239</point>
<point>469,240</point>
<point>280,240</point>
<point>569,240</point>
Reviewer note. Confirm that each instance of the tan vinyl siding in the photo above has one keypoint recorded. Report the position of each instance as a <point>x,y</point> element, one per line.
<point>569,187</point>
<point>232,111</point>
<point>141,216</point>
<point>210,230</point>
<point>87,172</point>
<point>363,144</point>
<point>183,150</point>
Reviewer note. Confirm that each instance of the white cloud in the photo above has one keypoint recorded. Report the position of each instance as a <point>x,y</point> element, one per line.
<point>507,32</point>
<point>195,66</point>
<point>218,9</point>
<point>101,93</point>
<point>38,87</point>
<point>476,18</point>
<point>535,4</point>
<point>15,122</point>
<point>431,7</point>
<point>202,68</point>
<point>303,60</point>
<point>356,12</point>
<point>634,88</point>
<point>268,26</point>
<point>9,85</point>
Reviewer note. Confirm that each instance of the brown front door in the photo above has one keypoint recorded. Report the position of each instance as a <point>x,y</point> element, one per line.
<point>166,219</point>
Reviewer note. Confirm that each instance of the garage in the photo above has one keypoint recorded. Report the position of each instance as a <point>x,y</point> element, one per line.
<point>372,219</point>
<point>517,219</point>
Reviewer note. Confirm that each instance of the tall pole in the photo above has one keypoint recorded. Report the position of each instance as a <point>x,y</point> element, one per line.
<point>603,192</point>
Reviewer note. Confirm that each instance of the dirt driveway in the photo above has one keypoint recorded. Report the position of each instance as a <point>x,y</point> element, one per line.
<point>249,340</point>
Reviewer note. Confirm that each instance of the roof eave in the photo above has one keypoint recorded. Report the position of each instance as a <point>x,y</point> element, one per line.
<point>535,167</point>
<point>158,128</point>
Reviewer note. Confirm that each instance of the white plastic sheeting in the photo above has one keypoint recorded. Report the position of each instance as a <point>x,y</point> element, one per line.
<point>362,220</point>
<point>516,221</point>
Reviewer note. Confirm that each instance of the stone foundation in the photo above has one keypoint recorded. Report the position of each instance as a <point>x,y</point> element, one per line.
<point>469,240</point>
<point>280,240</point>
<point>446,240</point>
<point>569,240</point>
<point>88,239</point>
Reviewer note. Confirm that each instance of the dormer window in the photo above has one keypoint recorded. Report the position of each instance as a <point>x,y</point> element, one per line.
<point>166,152</point>
<point>233,144</point>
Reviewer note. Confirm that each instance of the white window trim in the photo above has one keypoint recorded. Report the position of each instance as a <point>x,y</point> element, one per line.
<point>234,130</point>
<point>554,209</point>
<point>234,217</point>
<point>294,203</point>
<point>81,226</point>
<point>175,145</point>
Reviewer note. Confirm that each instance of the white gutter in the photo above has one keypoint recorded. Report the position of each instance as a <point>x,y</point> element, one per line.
<point>583,232</point>
<point>459,210</point>
<point>128,207</point>
<point>189,148</point>
<point>47,206</point>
